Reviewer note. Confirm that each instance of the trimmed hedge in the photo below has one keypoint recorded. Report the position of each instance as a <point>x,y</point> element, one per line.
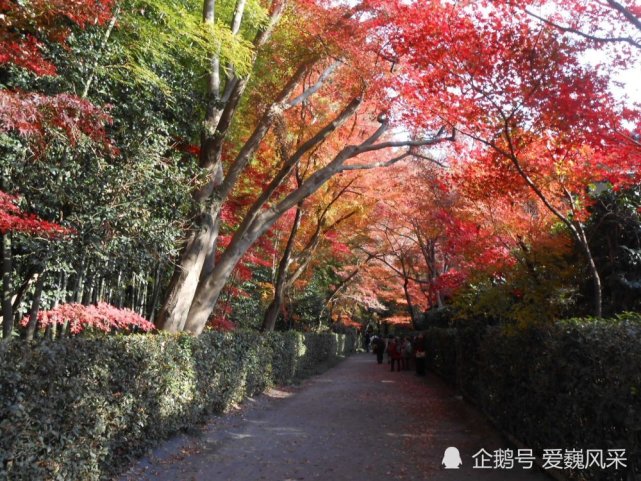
<point>572,385</point>
<point>440,346</point>
<point>81,408</point>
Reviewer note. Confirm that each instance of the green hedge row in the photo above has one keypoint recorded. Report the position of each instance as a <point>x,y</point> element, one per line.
<point>573,385</point>
<point>81,409</point>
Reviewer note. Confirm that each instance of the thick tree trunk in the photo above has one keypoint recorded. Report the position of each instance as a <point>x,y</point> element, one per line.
<point>200,248</point>
<point>257,221</point>
<point>197,260</point>
<point>7,308</point>
<point>35,308</point>
<point>184,282</point>
<point>271,315</point>
<point>208,292</point>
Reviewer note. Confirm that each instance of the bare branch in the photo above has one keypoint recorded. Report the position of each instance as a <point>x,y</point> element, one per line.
<point>264,124</point>
<point>378,133</point>
<point>374,165</point>
<point>437,139</point>
<point>629,16</point>
<point>314,88</point>
<point>576,31</point>
<point>429,159</point>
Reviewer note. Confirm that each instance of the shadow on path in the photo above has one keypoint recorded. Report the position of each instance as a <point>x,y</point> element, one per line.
<point>358,421</point>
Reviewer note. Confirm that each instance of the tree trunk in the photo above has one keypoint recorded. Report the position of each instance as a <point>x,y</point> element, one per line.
<point>132,299</point>
<point>596,278</point>
<point>184,282</point>
<point>258,219</point>
<point>208,292</point>
<point>199,249</point>
<point>87,290</point>
<point>142,302</point>
<point>410,305</point>
<point>35,307</point>
<point>24,287</point>
<point>52,330</point>
<point>62,288</point>
<point>100,292</point>
<point>95,291</point>
<point>576,229</point>
<point>151,309</point>
<point>7,308</point>
<point>119,291</point>
<point>76,293</point>
<point>271,315</point>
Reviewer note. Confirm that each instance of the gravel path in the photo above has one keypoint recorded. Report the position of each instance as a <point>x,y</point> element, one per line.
<point>358,421</point>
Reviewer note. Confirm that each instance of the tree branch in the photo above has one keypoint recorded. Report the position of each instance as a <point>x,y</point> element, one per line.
<point>629,16</point>
<point>314,88</point>
<point>437,139</point>
<point>576,31</point>
<point>264,124</point>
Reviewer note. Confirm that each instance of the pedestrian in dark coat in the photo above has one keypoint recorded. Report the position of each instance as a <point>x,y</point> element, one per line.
<point>379,348</point>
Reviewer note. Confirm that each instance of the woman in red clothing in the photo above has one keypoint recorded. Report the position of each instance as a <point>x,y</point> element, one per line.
<point>394,351</point>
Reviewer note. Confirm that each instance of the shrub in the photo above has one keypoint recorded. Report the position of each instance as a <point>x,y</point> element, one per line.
<point>101,317</point>
<point>575,384</point>
<point>82,408</point>
<point>440,346</point>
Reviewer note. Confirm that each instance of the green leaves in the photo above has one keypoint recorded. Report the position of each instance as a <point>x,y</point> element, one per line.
<point>160,35</point>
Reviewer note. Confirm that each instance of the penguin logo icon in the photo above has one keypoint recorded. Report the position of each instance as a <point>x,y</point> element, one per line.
<point>451,459</point>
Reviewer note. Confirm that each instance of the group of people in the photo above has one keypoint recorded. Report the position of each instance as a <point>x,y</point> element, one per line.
<point>401,351</point>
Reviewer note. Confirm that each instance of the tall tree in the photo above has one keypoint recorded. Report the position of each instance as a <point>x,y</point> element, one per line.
<point>200,276</point>
<point>521,90</point>
<point>309,230</point>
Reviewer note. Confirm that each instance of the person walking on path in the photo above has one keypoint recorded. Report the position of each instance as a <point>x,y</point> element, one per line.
<point>420,355</point>
<point>387,340</point>
<point>378,345</point>
<point>407,353</point>
<point>366,341</point>
<point>394,351</point>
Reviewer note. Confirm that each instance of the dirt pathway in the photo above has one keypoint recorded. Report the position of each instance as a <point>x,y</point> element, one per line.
<point>358,421</point>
